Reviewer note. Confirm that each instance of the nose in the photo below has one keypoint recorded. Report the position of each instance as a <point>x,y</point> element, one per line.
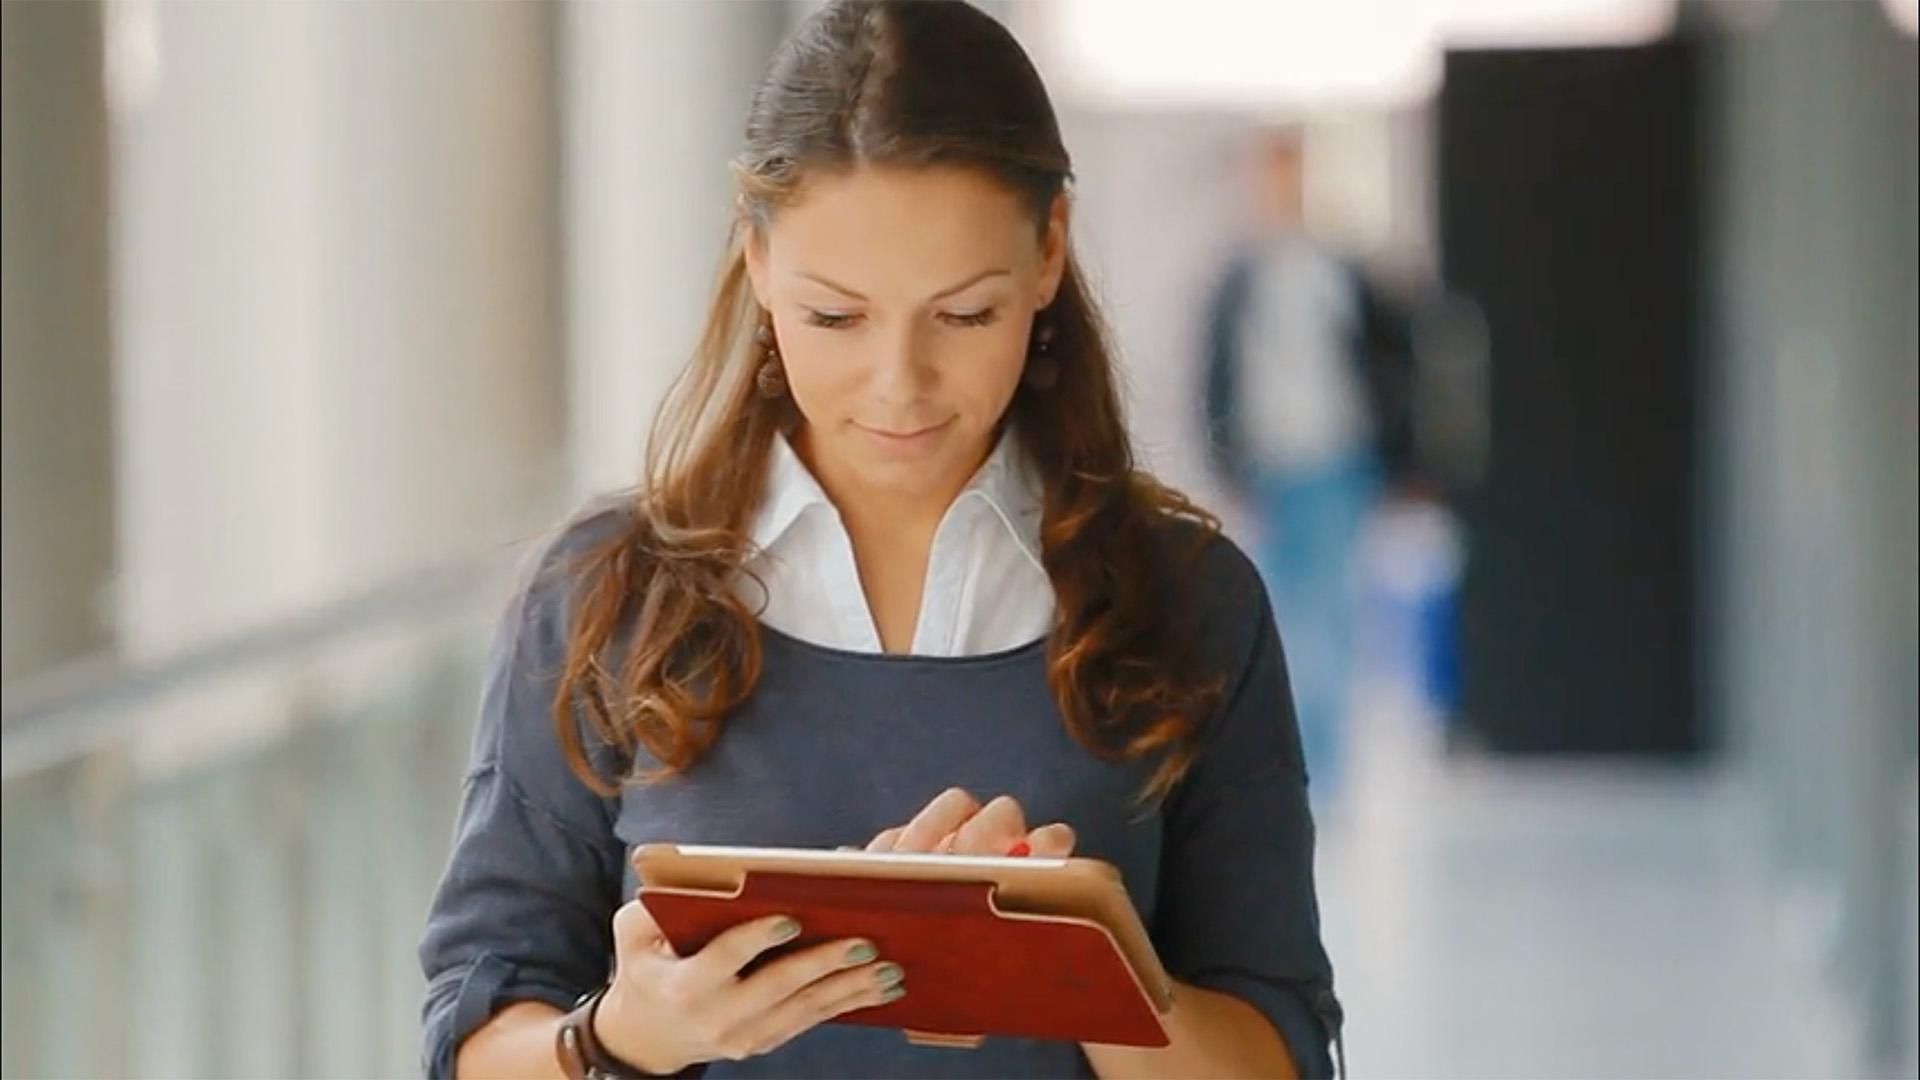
<point>903,374</point>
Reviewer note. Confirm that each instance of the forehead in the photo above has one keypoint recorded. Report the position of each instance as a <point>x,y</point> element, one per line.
<point>894,228</point>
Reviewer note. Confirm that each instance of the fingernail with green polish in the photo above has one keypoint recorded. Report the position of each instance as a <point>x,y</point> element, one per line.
<point>888,974</point>
<point>892,993</point>
<point>861,952</point>
<point>785,929</point>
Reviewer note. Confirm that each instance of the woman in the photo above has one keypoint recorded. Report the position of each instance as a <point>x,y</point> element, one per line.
<point>891,559</point>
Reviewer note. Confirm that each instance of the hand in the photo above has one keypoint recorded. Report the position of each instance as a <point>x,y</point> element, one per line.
<point>955,823</point>
<point>663,1012</point>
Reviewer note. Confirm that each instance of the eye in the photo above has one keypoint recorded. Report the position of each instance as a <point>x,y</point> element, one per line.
<point>829,321</point>
<point>983,317</point>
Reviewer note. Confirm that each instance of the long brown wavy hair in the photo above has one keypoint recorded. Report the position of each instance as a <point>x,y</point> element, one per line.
<point>898,84</point>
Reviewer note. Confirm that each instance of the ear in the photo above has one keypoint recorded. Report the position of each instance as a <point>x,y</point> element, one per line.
<point>754,247</point>
<point>1053,249</point>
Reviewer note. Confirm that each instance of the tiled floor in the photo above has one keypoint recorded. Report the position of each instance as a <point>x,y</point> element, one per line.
<point>1494,920</point>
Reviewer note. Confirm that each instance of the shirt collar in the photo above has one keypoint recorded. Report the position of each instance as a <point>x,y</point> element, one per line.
<point>790,492</point>
<point>1007,483</point>
<point>1010,486</point>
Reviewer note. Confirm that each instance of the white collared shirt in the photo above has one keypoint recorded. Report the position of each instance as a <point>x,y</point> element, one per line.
<point>985,588</point>
<point>1306,405</point>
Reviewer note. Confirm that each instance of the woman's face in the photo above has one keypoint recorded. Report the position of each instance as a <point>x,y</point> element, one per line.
<point>902,302</point>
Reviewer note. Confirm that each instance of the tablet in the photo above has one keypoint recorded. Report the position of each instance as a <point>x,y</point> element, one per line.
<point>1023,947</point>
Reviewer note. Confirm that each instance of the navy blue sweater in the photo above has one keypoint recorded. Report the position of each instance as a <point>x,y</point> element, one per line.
<point>835,746</point>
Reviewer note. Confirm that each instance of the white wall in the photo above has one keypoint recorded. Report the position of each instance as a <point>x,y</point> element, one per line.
<point>1810,528</point>
<point>656,103</point>
<point>334,301</point>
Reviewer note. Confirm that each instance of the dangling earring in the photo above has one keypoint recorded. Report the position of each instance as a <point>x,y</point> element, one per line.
<point>771,378</point>
<point>1042,370</point>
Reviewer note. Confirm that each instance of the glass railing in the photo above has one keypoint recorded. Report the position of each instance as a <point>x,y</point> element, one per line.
<point>221,867</point>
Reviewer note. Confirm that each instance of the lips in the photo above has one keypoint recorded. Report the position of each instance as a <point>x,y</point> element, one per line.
<point>907,433</point>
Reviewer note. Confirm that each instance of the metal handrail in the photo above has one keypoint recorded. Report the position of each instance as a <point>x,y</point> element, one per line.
<point>74,710</point>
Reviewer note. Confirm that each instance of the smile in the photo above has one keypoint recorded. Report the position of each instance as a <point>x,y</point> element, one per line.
<point>905,436</point>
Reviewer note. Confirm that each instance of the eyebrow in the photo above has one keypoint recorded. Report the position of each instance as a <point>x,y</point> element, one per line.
<point>941,295</point>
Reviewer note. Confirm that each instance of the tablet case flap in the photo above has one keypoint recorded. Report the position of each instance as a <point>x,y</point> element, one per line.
<point>971,969</point>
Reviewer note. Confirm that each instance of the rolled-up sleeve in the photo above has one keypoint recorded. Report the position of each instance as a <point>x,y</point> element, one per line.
<point>1236,911</point>
<point>523,910</point>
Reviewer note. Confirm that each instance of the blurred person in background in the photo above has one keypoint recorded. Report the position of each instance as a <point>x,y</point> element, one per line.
<point>893,488</point>
<point>1306,397</point>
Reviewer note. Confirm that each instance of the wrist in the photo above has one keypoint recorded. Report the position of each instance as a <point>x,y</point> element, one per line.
<point>616,1027</point>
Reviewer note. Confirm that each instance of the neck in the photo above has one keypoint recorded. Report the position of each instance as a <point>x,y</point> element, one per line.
<point>881,533</point>
<point>884,518</point>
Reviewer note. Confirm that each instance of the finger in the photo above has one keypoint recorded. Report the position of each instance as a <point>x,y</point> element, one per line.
<point>1053,841</point>
<point>863,988</point>
<point>764,990</point>
<point>998,826</point>
<point>635,932</point>
<point>735,948</point>
<point>948,811</point>
<point>886,839</point>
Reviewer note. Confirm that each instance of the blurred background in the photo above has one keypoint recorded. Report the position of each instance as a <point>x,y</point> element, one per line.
<point>315,313</point>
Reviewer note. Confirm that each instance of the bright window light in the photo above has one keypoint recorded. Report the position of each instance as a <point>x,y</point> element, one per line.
<point>1312,52</point>
<point>1905,15</point>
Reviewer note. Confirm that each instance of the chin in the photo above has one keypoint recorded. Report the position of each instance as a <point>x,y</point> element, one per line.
<point>902,477</point>
<point>908,471</point>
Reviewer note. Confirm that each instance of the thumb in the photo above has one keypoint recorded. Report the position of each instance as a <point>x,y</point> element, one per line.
<point>636,934</point>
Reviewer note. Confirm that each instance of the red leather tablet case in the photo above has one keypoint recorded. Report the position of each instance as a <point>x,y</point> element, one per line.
<point>972,970</point>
